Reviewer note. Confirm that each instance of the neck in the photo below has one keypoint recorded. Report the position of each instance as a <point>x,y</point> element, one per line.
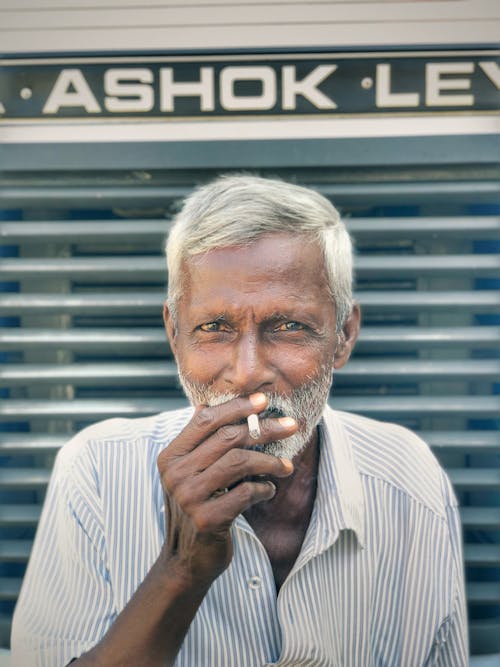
<point>294,494</point>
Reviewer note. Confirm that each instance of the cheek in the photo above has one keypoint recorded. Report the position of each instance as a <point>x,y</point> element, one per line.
<point>295,366</point>
<point>199,365</point>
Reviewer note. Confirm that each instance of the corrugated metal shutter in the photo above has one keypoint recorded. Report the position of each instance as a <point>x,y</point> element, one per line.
<point>85,340</point>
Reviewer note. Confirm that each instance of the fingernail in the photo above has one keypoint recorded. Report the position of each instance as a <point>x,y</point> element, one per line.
<point>258,400</point>
<point>273,487</point>
<point>287,464</point>
<point>287,422</point>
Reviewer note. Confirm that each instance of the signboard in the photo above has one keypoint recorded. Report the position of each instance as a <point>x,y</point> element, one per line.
<point>267,85</point>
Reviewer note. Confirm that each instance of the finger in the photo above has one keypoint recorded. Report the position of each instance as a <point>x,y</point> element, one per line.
<point>218,514</point>
<point>236,435</point>
<point>206,420</point>
<point>234,466</point>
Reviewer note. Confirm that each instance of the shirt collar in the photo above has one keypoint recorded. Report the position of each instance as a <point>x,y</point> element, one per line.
<point>339,503</point>
<point>339,496</point>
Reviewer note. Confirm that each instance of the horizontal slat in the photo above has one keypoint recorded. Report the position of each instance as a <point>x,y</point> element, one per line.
<point>9,588</point>
<point>477,300</point>
<point>409,337</point>
<point>90,374</point>
<point>486,518</point>
<point>23,478</point>
<point>147,337</point>
<point>154,269</point>
<point>151,302</point>
<point>84,230</point>
<point>86,408</point>
<point>113,303</point>
<point>393,228</point>
<point>484,479</point>
<point>418,369</point>
<point>15,550</point>
<point>110,268</point>
<point>104,195</point>
<point>425,265</point>
<point>482,554</point>
<point>164,372</point>
<point>394,406</point>
<point>5,631</point>
<point>148,229</point>
<point>95,196</point>
<point>82,339</point>
<point>483,659</point>
<point>483,593</point>
<point>465,441</point>
<point>485,638</point>
<point>19,515</point>
<point>30,443</point>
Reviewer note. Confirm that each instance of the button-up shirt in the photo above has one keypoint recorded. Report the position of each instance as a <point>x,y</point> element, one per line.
<point>378,580</point>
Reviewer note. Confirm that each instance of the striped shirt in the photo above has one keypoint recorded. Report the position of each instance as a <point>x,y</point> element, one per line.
<point>378,581</point>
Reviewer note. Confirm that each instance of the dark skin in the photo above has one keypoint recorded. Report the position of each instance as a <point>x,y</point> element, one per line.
<point>251,320</point>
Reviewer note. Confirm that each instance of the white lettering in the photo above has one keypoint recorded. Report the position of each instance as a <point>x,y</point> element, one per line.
<point>129,83</point>
<point>434,84</point>
<point>384,97</point>
<point>232,102</point>
<point>307,87</point>
<point>62,96</point>
<point>170,89</point>
<point>492,71</point>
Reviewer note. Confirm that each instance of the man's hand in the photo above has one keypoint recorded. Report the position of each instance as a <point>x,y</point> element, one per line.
<point>208,475</point>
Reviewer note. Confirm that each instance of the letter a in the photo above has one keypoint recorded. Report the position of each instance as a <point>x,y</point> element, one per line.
<point>62,96</point>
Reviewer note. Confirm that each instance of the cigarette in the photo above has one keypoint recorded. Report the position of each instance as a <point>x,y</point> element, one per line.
<point>253,426</point>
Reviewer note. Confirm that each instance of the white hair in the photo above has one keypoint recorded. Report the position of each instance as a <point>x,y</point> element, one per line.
<point>236,210</point>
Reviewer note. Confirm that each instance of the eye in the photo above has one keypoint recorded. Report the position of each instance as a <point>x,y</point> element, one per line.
<point>290,326</point>
<point>213,327</point>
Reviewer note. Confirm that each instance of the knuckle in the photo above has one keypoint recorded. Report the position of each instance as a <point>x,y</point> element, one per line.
<point>246,492</point>
<point>229,433</point>
<point>183,497</point>
<point>242,404</point>
<point>162,460</point>
<point>202,521</point>
<point>204,417</point>
<point>171,478</point>
<point>268,428</point>
<point>236,458</point>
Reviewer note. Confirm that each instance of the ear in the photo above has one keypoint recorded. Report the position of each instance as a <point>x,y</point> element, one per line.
<point>170,328</point>
<point>348,337</point>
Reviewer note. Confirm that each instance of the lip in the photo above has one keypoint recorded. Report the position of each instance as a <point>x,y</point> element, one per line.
<point>273,413</point>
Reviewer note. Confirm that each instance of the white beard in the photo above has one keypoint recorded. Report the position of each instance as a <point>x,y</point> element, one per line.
<point>305,405</point>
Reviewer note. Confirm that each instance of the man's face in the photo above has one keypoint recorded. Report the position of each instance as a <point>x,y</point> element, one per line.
<point>259,318</point>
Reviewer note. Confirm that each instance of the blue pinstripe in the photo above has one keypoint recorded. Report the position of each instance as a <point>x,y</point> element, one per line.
<point>378,581</point>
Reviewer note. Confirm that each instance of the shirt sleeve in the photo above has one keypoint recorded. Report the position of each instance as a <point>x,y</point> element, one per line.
<point>66,602</point>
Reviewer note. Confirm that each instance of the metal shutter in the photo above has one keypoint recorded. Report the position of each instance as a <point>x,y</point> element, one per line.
<point>82,338</point>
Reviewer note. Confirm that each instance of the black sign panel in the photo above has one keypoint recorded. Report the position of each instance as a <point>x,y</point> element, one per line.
<point>253,85</point>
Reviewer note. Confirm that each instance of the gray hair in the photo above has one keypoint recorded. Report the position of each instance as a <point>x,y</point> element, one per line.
<point>235,210</point>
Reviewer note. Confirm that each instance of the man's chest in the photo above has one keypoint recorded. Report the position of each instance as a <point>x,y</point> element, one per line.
<point>282,543</point>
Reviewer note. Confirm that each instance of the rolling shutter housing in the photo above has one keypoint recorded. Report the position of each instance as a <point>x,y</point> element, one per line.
<point>81,335</point>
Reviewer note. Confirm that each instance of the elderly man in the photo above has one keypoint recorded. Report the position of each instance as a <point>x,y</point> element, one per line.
<point>259,527</point>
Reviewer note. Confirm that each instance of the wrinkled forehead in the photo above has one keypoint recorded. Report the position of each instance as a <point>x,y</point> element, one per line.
<point>283,264</point>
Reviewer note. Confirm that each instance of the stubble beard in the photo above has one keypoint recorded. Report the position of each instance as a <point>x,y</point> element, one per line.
<point>305,404</point>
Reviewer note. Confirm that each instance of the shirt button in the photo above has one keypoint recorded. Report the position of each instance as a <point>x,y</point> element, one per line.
<point>254,583</point>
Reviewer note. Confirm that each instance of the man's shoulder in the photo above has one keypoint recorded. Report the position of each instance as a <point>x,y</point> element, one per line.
<point>395,455</point>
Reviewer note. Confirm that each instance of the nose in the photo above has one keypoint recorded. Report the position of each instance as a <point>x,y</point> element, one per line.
<point>251,368</point>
